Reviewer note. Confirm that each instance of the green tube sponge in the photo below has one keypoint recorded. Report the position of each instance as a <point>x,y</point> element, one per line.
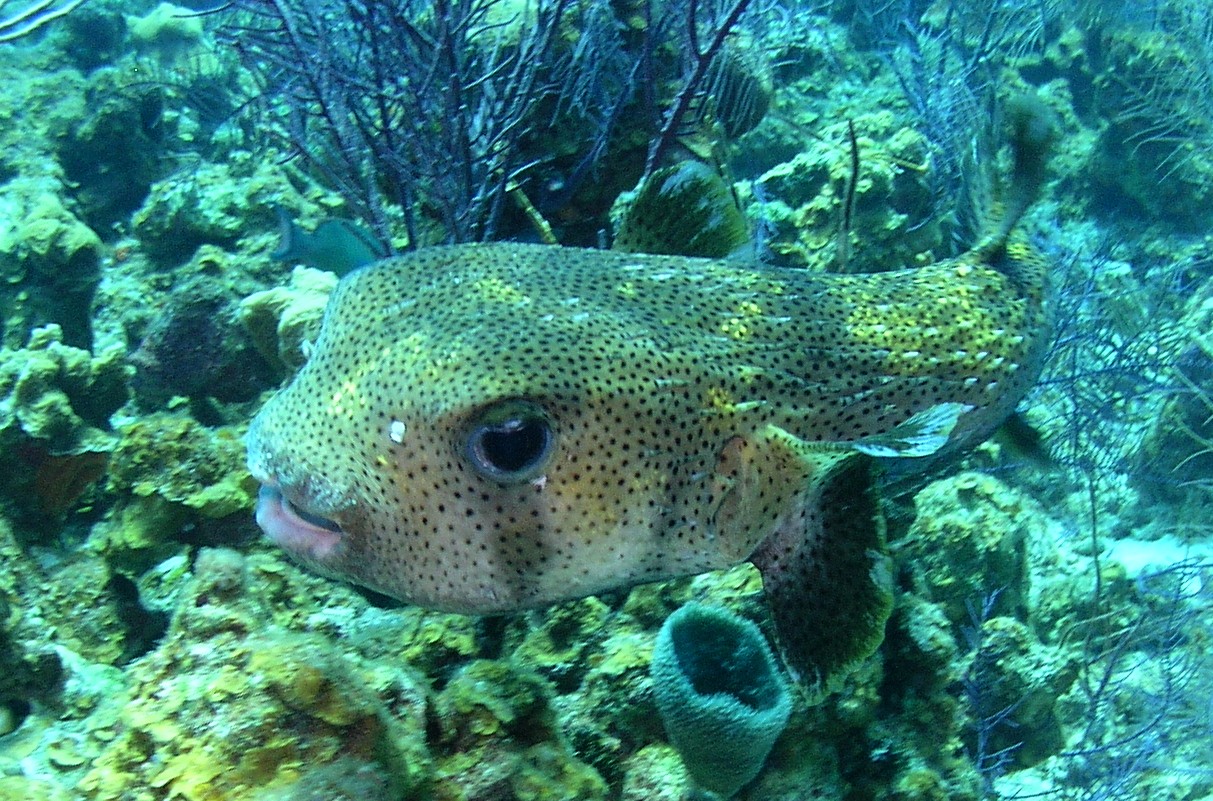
<point>721,697</point>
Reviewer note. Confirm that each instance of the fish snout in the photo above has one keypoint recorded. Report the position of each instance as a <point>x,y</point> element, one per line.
<point>295,510</point>
<point>289,507</point>
<point>293,527</point>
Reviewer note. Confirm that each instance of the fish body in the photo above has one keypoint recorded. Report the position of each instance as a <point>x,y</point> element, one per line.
<point>491,427</point>
<point>336,245</point>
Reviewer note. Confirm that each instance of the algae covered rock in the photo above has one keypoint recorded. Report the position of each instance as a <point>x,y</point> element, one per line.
<point>176,458</point>
<point>220,204</point>
<point>891,226</point>
<point>57,393</point>
<point>113,152</point>
<point>655,773</point>
<point>344,779</point>
<point>53,616</point>
<point>1154,150</point>
<point>169,32</point>
<point>50,262</point>
<point>568,634</point>
<point>182,213</point>
<point>195,348</point>
<point>229,705</point>
<point>1016,681</point>
<point>283,321</point>
<point>969,542</point>
<point>22,788</point>
<point>169,472</point>
<point>55,404</point>
<point>499,738</point>
<point>29,669</point>
<point>1179,444</point>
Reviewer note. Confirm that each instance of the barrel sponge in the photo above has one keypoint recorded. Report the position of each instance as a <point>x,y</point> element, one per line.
<point>721,697</point>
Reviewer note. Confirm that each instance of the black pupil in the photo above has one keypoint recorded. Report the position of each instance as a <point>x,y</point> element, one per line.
<point>514,445</point>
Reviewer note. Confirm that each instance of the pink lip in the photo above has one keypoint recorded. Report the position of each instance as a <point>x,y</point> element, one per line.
<point>282,524</point>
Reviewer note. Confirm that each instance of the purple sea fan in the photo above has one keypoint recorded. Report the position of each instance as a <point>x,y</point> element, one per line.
<point>421,105</point>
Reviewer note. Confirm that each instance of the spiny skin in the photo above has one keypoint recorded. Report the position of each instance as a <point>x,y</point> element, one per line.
<point>663,377</point>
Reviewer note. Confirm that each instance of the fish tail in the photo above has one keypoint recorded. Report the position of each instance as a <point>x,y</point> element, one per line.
<point>1033,132</point>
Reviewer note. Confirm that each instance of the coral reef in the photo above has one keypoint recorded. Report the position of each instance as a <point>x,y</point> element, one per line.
<point>228,705</point>
<point>1051,616</point>
<point>801,199</point>
<point>194,348</point>
<point>112,155</point>
<point>283,320</point>
<point>171,475</point>
<point>53,256</point>
<point>968,542</point>
<point>1153,154</point>
<point>168,32</point>
<point>55,404</point>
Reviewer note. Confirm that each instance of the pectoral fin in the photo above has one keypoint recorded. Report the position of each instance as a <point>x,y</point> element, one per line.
<point>756,480</point>
<point>923,434</point>
<point>824,569</point>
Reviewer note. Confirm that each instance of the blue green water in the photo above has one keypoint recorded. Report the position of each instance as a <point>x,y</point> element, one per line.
<point>1050,634</point>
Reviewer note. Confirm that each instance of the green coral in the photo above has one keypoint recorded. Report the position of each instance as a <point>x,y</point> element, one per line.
<point>1153,90</point>
<point>497,727</point>
<point>174,457</point>
<point>55,404</point>
<point>60,395</point>
<point>229,704</point>
<point>1021,677</point>
<point>282,321</point>
<point>166,470</point>
<point>969,538</point>
<point>168,31</point>
<point>50,262</point>
<point>804,197</point>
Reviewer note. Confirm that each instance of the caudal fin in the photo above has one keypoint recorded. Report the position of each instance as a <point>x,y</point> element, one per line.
<point>1033,131</point>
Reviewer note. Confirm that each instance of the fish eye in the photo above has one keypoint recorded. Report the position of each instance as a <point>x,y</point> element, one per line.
<point>511,442</point>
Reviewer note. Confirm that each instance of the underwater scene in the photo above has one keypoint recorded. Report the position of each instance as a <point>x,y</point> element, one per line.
<point>629,400</point>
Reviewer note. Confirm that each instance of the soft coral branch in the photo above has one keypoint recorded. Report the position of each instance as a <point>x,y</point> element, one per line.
<point>694,85</point>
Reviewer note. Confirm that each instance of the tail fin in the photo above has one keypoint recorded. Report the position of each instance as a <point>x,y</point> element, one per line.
<point>1033,129</point>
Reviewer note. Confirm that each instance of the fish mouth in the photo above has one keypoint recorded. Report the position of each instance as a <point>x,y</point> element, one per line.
<point>293,528</point>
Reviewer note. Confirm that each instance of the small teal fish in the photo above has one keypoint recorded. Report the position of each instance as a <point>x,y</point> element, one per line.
<point>338,246</point>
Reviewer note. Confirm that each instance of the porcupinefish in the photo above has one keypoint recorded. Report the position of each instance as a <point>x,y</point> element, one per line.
<point>492,427</point>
